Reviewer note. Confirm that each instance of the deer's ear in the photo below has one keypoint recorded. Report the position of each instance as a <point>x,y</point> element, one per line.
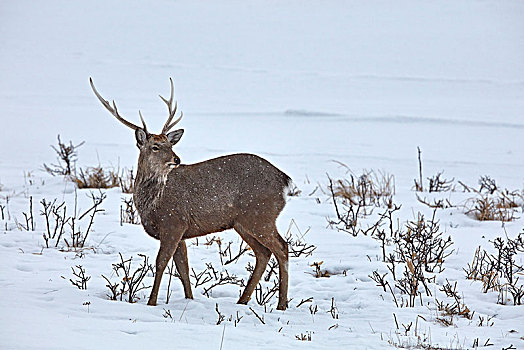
<point>140,136</point>
<point>175,136</point>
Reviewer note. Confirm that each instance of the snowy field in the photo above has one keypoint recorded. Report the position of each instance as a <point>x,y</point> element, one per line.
<point>305,84</point>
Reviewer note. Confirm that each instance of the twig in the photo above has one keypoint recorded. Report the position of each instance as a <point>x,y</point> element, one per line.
<point>182,314</point>
<point>303,301</point>
<point>222,340</point>
<point>421,186</point>
<point>261,319</point>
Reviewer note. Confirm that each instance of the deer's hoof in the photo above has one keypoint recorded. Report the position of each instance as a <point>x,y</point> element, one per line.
<point>281,307</point>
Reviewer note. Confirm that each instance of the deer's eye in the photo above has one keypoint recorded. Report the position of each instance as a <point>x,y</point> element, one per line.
<point>155,148</point>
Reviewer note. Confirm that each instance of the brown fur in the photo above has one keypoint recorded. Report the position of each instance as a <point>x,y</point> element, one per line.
<point>239,191</point>
<point>177,202</point>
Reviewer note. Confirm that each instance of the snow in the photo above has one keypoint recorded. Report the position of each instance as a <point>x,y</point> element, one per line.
<point>300,83</point>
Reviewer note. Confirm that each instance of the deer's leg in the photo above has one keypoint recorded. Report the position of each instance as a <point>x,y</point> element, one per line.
<point>166,251</point>
<point>278,246</point>
<point>262,255</point>
<point>182,266</point>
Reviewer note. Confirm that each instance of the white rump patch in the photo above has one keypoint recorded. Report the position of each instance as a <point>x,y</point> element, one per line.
<point>287,190</point>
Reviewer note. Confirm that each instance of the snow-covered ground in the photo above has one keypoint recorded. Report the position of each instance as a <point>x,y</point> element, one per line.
<point>301,83</point>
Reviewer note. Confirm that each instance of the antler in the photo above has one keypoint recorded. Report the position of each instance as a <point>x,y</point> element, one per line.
<point>171,109</point>
<point>114,110</point>
<point>143,122</point>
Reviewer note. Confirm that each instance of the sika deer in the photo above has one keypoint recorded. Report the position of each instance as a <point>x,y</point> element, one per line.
<point>177,202</point>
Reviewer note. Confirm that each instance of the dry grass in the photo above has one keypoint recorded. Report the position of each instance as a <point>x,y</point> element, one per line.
<point>482,269</point>
<point>492,203</point>
<point>371,188</point>
<point>96,177</point>
<point>501,270</point>
<point>499,206</point>
<point>91,177</point>
<point>318,273</point>
<point>448,311</point>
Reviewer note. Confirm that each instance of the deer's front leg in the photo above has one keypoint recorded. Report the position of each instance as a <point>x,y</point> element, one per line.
<point>182,266</point>
<point>168,247</point>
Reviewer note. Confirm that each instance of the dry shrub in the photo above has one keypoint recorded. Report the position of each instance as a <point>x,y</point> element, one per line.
<point>98,177</point>
<point>499,206</point>
<point>500,271</point>
<point>297,245</point>
<point>67,156</point>
<point>371,188</point>
<point>81,277</point>
<point>91,177</point>
<point>127,181</point>
<point>456,308</point>
<point>487,184</point>
<point>421,249</point>
<point>58,222</point>
<point>128,212</point>
<point>436,203</point>
<point>437,183</point>
<point>419,253</point>
<point>303,337</point>
<point>423,244</point>
<point>482,269</point>
<point>493,203</point>
<point>129,282</point>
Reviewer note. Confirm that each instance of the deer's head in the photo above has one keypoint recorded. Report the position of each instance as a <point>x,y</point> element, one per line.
<point>156,150</point>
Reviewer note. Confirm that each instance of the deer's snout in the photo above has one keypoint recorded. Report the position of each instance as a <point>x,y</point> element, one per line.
<point>176,160</point>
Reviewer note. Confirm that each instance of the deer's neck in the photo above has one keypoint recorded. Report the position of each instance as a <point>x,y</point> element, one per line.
<point>149,189</point>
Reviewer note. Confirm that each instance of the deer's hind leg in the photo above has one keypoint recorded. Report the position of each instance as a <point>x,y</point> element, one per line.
<point>272,240</point>
<point>279,248</point>
<point>262,255</point>
<point>182,266</point>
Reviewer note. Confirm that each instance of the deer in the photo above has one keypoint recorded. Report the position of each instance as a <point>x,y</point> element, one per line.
<point>179,201</point>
